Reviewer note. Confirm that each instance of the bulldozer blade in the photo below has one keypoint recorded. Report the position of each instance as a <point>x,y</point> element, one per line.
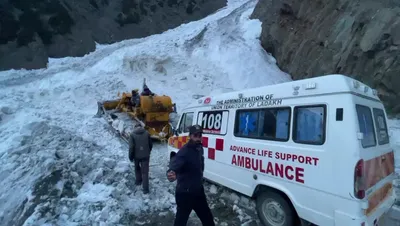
<point>100,110</point>
<point>118,134</point>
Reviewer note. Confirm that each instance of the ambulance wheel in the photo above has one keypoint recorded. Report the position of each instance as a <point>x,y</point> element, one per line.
<point>172,156</point>
<point>274,210</point>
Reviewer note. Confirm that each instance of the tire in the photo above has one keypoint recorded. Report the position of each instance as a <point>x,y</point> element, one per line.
<point>274,210</point>
<point>172,158</point>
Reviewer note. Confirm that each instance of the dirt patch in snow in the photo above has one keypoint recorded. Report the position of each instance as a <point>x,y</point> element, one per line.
<point>228,208</point>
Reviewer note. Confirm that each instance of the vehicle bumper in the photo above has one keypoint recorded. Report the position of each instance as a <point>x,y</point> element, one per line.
<point>380,214</point>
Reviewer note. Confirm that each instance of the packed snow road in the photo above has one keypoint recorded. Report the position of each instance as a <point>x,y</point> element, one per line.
<point>91,186</point>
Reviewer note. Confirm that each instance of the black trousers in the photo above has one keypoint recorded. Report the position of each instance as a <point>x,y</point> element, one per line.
<point>186,202</point>
<point>142,173</point>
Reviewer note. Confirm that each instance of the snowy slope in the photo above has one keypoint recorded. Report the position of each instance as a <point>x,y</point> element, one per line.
<point>61,166</point>
<point>394,127</point>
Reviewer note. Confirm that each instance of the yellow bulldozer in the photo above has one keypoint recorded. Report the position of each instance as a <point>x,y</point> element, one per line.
<point>151,111</point>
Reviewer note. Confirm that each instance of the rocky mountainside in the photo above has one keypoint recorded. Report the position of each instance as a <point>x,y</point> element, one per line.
<point>33,30</point>
<point>360,38</point>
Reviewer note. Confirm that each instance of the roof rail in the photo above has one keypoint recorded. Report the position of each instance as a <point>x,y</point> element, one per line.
<point>197,96</point>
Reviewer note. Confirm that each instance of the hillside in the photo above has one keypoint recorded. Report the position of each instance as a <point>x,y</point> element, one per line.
<point>31,31</point>
<point>357,38</point>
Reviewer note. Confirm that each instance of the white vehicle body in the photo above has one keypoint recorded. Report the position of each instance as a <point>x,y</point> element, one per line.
<point>320,143</point>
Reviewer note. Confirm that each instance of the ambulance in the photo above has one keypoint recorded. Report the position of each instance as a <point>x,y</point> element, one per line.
<point>312,151</point>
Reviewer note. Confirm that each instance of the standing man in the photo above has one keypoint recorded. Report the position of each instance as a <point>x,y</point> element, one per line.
<point>140,146</point>
<point>146,91</point>
<point>135,98</point>
<point>187,167</point>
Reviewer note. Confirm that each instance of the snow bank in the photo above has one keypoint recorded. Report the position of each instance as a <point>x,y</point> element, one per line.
<point>394,130</point>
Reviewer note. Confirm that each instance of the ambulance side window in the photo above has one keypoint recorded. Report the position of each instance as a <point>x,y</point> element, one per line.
<point>267,123</point>
<point>381,126</point>
<point>309,124</point>
<point>366,126</point>
<point>186,121</point>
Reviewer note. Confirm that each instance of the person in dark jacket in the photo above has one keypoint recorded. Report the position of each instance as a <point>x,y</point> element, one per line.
<point>140,146</point>
<point>187,167</point>
<point>135,98</point>
<point>146,91</point>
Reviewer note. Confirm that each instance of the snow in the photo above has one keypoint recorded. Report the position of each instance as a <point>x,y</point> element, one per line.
<point>394,129</point>
<point>213,189</point>
<point>62,166</point>
<point>94,193</point>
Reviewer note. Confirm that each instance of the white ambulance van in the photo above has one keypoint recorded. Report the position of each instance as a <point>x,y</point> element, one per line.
<point>314,150</point>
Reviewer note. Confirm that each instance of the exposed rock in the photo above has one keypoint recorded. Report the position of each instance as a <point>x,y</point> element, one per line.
<point>356,38</point>
<point>79,43</point>
<point>31,31</point>
<point>30,56</point>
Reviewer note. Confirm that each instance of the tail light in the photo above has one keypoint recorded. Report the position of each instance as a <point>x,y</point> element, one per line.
<point>359,185</point>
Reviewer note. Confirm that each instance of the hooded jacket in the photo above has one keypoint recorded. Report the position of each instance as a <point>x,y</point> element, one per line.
<point>140,144</point>
<point>188,164</point>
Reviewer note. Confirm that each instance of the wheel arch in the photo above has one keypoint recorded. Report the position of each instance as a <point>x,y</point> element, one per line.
<point>265,187</point>
<point>172,154</point>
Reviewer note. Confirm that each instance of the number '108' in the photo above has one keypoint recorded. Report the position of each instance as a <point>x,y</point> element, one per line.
<point>212,121</point>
